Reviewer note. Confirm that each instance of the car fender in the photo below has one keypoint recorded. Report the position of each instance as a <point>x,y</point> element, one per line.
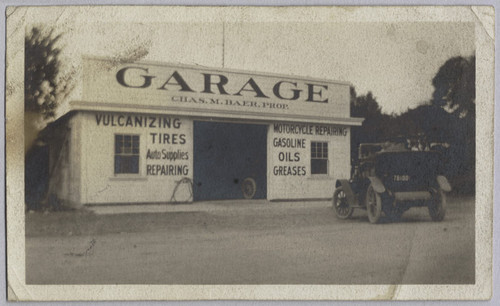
<point>346,186</point>
<point>443,183</point>
<point>377,184</point>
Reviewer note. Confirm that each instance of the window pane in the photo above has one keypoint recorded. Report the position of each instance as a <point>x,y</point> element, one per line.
<point>125,164</point>
<point>134,164</point>
<point>118,143</point>
<point>135,145</point>
<point>319,166</point>
<point>118,164</point>
<point>319,150</point>
<point>131,164</point>
<point>127,145</point>
<point>118,147</point>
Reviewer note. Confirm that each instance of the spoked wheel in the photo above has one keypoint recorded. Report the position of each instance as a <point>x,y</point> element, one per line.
<point>373,205</point>
<point>340,204</point>
<point>249,188</point>
<point>437,205</point>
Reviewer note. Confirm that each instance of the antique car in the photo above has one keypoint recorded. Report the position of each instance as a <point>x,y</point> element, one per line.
<point>391,179</point>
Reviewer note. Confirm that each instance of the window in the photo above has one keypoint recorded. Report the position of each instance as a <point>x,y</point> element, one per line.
<point>319,157</point>
<point>126,154</point>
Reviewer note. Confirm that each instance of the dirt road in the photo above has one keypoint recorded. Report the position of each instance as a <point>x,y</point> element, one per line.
<point>271,244</point>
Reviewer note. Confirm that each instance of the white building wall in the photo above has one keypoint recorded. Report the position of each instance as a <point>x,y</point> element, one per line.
<point>113,92</point>
<point>65,164</point>
<point>289,166</point>
<point>158,164</point>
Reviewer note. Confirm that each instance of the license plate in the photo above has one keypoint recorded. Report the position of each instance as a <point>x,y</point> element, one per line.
<point>401,178</point>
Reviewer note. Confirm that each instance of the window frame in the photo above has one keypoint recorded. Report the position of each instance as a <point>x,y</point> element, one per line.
<point>327,158</point>
<point>115,154</point>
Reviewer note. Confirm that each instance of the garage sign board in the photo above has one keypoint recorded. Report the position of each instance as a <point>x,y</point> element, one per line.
<point>208,91</point>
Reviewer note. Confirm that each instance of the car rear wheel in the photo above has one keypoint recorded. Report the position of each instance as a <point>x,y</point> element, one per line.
<point>341,205</point>
<point>437,205</point>
<point>373,205</point>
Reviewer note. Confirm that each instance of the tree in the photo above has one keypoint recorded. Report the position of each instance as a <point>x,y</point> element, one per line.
<point>429,120</point>
<point>455,86</point>
<point>365,106</point>
<point>44,89</point>
<point>375,125</point>
<point>448,119</point>
<point>41,66</point>
<point>455,92</point>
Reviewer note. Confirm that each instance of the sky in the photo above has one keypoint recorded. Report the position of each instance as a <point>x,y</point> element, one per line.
<point>396,61</point>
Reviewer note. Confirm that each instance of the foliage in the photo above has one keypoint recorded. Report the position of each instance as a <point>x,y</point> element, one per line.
<point>447,120</point>
<point>374,126</point>
<point>455,92</point>
<point>365,106</point>
<point>43,90</point>
<point>455,87</point>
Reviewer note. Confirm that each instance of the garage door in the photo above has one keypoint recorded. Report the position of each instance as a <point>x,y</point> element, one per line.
<point>229,161</point>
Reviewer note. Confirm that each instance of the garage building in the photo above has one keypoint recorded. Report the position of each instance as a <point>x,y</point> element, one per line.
<point>147,132</point>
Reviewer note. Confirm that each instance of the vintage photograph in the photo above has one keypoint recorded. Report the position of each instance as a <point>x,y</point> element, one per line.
<point>250,146</point>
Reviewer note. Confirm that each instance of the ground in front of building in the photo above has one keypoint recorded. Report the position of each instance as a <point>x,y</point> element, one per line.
<point>249,242</point>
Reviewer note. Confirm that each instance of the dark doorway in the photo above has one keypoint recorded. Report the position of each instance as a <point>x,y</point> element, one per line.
<point>36,176</point>
<point>229,161</point>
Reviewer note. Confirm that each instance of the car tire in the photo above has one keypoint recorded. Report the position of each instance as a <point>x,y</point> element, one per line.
<point>248,188</point>
<point>340,204</point>
<point>373,205</point>
<point>437,205</point>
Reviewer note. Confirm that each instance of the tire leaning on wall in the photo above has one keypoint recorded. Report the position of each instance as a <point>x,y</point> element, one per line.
<point>248,188</point>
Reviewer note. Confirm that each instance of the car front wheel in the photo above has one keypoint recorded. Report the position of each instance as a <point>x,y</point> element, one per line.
<point>341,205</point>
<point>373,205</point>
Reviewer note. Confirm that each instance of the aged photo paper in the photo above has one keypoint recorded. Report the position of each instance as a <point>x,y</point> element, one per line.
<point>249,153</point>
